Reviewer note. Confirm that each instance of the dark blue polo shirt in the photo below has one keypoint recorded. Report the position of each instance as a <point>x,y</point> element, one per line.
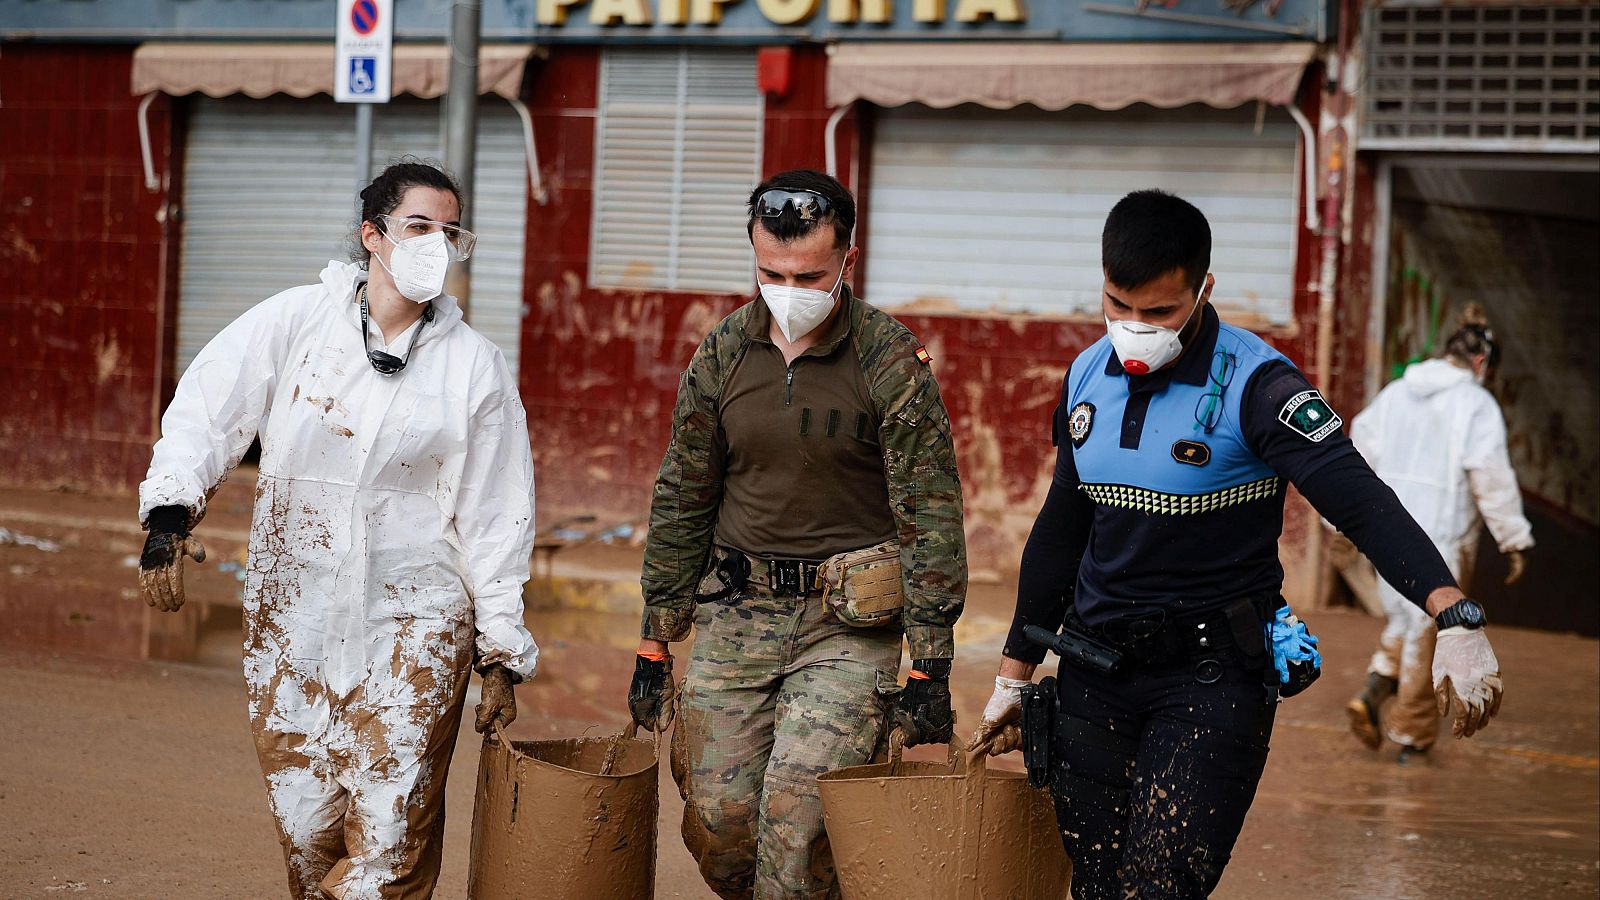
<point>1168,491</point>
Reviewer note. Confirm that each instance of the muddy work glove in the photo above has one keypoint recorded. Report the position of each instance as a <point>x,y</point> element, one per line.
<point>651,694</point>
<point>1516,563</point>
<point>1466,679</point>
<point>499,701</point>
<point>161,563</point>
<point>998,728</point>
<point>923,711</point>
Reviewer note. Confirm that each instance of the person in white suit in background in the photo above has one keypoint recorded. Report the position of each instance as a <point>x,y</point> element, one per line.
<point>1438,438</point>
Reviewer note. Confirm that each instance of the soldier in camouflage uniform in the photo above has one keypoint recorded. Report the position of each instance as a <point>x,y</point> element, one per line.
<point>808,424</point>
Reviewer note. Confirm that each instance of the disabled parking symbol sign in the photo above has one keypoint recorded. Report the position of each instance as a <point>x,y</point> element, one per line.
<point>364,39</point>
<point>363,75</point>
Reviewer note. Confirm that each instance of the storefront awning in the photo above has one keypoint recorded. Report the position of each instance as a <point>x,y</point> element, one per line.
<point>1055,76</point>
<point>300,70</point>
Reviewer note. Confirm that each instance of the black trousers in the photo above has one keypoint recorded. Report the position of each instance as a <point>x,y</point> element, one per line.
<point>1154,773</point>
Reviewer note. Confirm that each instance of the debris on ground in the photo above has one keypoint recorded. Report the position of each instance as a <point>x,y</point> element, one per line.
<point>17,538</point>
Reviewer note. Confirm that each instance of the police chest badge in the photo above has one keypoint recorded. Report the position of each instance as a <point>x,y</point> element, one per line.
<point>1308,415</point>
<point>1079,421</point>
<point>1191,453</point>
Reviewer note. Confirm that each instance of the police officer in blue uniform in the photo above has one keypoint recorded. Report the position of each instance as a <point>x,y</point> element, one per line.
<point>1155,556</point>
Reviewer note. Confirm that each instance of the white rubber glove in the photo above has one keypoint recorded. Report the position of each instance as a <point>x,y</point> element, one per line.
<point>1003,708</point>
<point>1466,679</point>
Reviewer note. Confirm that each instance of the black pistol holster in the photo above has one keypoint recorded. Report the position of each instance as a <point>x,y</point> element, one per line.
<point>1038,729</point>
<point>725,577</point>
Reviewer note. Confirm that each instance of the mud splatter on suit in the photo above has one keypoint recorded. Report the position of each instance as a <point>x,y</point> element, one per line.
<point>392,532</point>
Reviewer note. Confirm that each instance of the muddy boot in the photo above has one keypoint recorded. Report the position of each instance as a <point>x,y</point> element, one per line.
<point>1412,756</point>
<point>1363,709</point>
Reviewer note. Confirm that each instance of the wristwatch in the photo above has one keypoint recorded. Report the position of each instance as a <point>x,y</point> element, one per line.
<point>1465,613</point>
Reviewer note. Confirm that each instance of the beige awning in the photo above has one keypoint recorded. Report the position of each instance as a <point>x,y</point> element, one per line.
<point>300,70</point>
<point>1055,76</point>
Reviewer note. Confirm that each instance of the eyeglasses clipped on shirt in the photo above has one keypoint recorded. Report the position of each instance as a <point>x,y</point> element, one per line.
<point>1208,411</point>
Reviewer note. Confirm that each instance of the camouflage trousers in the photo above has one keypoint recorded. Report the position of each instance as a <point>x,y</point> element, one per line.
<point>778,691</point>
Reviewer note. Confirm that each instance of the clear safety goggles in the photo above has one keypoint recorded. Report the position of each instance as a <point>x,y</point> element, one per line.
<point>400,228</point>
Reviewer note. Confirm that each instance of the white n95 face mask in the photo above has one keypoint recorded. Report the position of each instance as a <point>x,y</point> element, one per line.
<point>418,265</point>
<point>1145,348</point>
<point>797,310</point>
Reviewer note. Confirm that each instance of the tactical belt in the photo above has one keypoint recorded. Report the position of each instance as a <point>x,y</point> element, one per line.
<point>784,577</point>
<point>1161,640</point>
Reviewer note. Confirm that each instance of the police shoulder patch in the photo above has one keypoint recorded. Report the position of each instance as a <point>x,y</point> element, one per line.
<point>1079,423</point>
<point>1309,416</point>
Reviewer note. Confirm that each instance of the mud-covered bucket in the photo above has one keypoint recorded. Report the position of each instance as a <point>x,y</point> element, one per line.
<point>566,819</point>
<point>942,831</point>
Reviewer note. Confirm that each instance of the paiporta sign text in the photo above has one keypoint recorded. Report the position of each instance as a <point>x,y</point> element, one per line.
<point>778,12</point>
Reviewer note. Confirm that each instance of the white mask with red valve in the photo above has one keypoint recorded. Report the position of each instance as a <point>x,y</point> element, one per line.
<point>1146,348</point>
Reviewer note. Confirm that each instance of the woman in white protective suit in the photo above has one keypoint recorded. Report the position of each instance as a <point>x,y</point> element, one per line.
<point>392,534</point>
<point>1436,436</point>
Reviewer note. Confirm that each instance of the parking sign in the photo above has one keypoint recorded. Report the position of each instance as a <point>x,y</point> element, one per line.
<point>365,36</point>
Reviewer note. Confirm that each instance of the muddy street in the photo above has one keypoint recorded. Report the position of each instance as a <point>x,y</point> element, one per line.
<point>136,778</point>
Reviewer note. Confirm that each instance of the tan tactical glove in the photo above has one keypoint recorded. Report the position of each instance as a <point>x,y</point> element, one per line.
<point>499,701</point>
<point>161,563</point>
<point>1466,679</point>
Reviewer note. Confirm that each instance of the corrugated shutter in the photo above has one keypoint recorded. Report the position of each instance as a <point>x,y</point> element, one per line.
<point>270,197</point>
<point>1003,210</point>
<point>679,148</point>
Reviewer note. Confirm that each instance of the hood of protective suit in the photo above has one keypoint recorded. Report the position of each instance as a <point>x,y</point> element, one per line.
<point>1439,439</point>
<point>341,279</point>
<point>1429,377</point>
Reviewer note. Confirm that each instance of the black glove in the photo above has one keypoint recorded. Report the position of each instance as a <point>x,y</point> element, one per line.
<point>650,695</point>
<point>923,711</point>
<point>161,563</point>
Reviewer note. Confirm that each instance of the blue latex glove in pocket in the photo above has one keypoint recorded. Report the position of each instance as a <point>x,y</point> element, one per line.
<point>1291,642</point>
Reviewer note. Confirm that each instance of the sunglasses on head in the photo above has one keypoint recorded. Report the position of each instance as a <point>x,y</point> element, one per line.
<point>810,206</point>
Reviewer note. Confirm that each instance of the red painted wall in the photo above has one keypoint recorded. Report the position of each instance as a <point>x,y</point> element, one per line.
<point>80,243</point>
<point>600,368</point>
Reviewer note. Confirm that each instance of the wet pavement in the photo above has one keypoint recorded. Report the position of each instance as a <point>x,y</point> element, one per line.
<point>129,778</point>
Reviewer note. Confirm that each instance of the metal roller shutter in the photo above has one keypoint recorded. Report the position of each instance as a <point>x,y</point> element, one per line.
<point>679,148</point>
<point>269,198</point>
<point>1003,210</point>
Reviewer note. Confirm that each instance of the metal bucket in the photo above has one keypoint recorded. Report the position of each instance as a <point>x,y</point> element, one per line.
<point>567,819</point>
<point>942,831</point>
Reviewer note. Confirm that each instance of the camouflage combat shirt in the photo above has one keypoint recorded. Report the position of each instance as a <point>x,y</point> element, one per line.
<point>919,465</point>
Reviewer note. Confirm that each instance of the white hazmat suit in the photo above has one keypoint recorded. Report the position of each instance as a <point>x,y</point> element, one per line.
<point>392,533</point>
<point>1438,439</point>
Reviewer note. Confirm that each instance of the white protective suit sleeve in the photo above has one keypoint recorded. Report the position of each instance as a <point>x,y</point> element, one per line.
<point>1363,431</point>
<point>494,520</point>
<point>1494,482</point>
<point>217,409</point>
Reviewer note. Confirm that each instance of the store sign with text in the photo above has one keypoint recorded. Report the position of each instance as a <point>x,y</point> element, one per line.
<point>777,12</point>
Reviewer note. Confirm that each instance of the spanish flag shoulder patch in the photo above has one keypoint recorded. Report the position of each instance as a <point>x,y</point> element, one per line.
<point>922,354</point>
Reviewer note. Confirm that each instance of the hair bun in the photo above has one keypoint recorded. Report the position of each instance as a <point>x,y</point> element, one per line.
<point>1472,315</point>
